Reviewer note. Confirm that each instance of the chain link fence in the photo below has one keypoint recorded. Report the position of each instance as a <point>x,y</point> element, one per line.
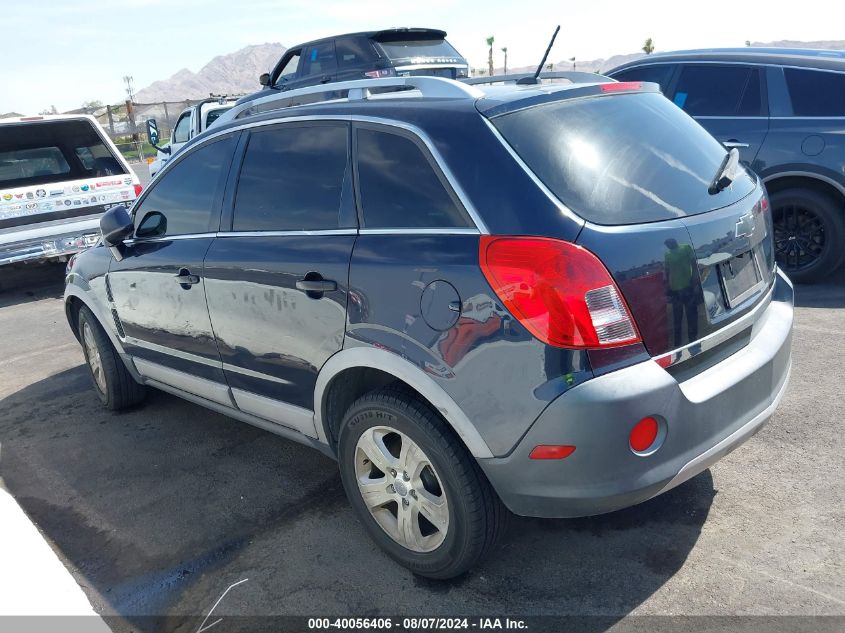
<point>125,124</point>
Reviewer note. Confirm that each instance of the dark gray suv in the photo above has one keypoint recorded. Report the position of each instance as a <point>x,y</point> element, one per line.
<point>557,299</point>
<point>784,109</point>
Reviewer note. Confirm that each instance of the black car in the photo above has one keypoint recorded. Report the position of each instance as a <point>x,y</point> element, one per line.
<point>401,52</point>
<point>784,109</point>
<point>532,297</point>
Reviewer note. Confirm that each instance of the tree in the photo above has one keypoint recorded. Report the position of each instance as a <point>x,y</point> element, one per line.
<point>490,41</point>
<point>51,110</point>
<point>94,104</point>
<point>748,42</point>
<point>572,59</point>
<point>648,47</point>
<point>505,51</point>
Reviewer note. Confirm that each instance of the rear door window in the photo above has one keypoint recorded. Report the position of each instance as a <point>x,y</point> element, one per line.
<point>660,74</point>
<point>318,59</point>
<point>622,159</point>
<point>816,93</point>
<point>400,187</point>
<point>292,178</point>
<point>715,90</point>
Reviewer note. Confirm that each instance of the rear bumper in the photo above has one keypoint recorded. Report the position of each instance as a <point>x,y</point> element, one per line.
<point>38,243</point>
<point>705,417</point>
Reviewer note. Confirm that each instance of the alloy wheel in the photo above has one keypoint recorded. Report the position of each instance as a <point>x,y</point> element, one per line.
<point>92,354</point>
<point>401,489</point>
<point>799,236</point>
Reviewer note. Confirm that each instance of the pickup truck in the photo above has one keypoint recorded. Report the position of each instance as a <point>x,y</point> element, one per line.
<point>58,175</point>
<point>193,120</point>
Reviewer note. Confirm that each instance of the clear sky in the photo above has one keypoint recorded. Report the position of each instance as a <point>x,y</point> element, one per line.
<point>64,52</point>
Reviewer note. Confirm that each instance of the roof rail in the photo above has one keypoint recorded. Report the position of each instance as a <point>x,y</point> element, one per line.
<point>575,76</point>
<point>430,87</point>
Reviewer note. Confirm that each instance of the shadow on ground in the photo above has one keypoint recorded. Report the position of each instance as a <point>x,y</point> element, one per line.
<point>154,508</point>
<point>20,283</point>
<point>828,294</point>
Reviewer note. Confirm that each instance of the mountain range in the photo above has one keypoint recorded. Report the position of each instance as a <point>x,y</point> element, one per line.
<point>237,73</point>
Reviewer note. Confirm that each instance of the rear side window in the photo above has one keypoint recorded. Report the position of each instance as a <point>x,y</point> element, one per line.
<point>399,186</point>
<point>660,74</point>
<point>816,93</point>
<point>51,151</point>
<point>292,178</point>
<point>318,59</point>
<point>354,51</point>
<point>186,192</point>
<point>622,159</point>
<point>712,90</point>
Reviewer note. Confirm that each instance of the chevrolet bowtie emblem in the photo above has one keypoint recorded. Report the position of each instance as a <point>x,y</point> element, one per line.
<point>745,225</point>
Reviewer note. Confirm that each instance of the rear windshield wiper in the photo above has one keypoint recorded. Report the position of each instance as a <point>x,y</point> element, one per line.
<point>727,172</point>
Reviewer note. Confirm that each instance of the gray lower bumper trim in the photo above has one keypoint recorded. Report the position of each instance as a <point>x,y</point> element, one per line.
<point>714,454</point>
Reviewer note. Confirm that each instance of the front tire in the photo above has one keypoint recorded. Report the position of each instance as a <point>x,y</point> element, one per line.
<point>809,233</point>
<point>411,482</point>
<point>115,386</point>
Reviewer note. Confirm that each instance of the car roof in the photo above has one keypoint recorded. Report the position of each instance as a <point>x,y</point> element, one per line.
<point>825,59</point>
<point>410,31</point>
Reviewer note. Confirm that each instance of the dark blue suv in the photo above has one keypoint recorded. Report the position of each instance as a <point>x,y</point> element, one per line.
<point>557,300</point>
<point>784,109</point>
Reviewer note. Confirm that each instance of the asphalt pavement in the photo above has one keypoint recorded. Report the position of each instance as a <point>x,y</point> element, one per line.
<point>157,511</point>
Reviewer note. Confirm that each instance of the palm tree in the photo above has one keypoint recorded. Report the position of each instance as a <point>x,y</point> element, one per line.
<point>572,59</point>
<point>648,47</point>
<point>505,51</point>
<point>490,41</point>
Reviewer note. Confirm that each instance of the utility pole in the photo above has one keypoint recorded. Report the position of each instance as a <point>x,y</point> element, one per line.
<point>130,114</point>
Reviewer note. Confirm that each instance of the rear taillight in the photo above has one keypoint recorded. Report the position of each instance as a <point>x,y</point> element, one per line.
<point>377,74</point>
<point>138,190</point>
<point>559,291</point>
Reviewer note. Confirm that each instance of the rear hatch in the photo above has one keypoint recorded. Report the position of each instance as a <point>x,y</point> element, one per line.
<point>689,260</point>
<point>421,52</point>
<point>58,169</point>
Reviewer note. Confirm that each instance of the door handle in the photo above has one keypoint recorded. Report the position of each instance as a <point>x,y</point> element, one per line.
<point>731,143</point>
<point>318,286</point>
<point>186,279</point>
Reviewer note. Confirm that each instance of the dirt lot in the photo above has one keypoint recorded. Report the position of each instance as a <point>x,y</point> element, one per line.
<point>159,510</point>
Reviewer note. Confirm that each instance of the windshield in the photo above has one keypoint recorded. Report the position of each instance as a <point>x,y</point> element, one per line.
<point>414,49</point>
<point>36,153</point>
<point>623,159</point>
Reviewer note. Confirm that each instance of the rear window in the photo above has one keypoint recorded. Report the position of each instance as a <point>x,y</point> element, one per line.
<point>622,159</point>
<point>816,93</point>
<point>36,153</point>
<point>410,49</point>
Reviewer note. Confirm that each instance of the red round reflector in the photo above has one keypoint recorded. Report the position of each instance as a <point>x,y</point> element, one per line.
<point>551,451</point>
<point>643,434</point>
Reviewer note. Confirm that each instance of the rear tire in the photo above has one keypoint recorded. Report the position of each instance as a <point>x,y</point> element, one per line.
<point>115,386</point>
<point>443,482</point>
<point>809,233</point>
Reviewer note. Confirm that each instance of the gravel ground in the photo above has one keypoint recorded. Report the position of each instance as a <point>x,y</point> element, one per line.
<point>158,510</point>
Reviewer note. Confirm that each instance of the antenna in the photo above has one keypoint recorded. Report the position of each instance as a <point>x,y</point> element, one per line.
<point>533,80</point>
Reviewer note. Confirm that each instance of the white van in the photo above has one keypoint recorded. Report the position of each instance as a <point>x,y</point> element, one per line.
<point>58,174</point>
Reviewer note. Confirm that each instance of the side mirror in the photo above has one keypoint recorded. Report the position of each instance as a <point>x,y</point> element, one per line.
<point>154,224</point>
<point>116,226</point>
<point>264,79</point>
<point>152,136</point>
